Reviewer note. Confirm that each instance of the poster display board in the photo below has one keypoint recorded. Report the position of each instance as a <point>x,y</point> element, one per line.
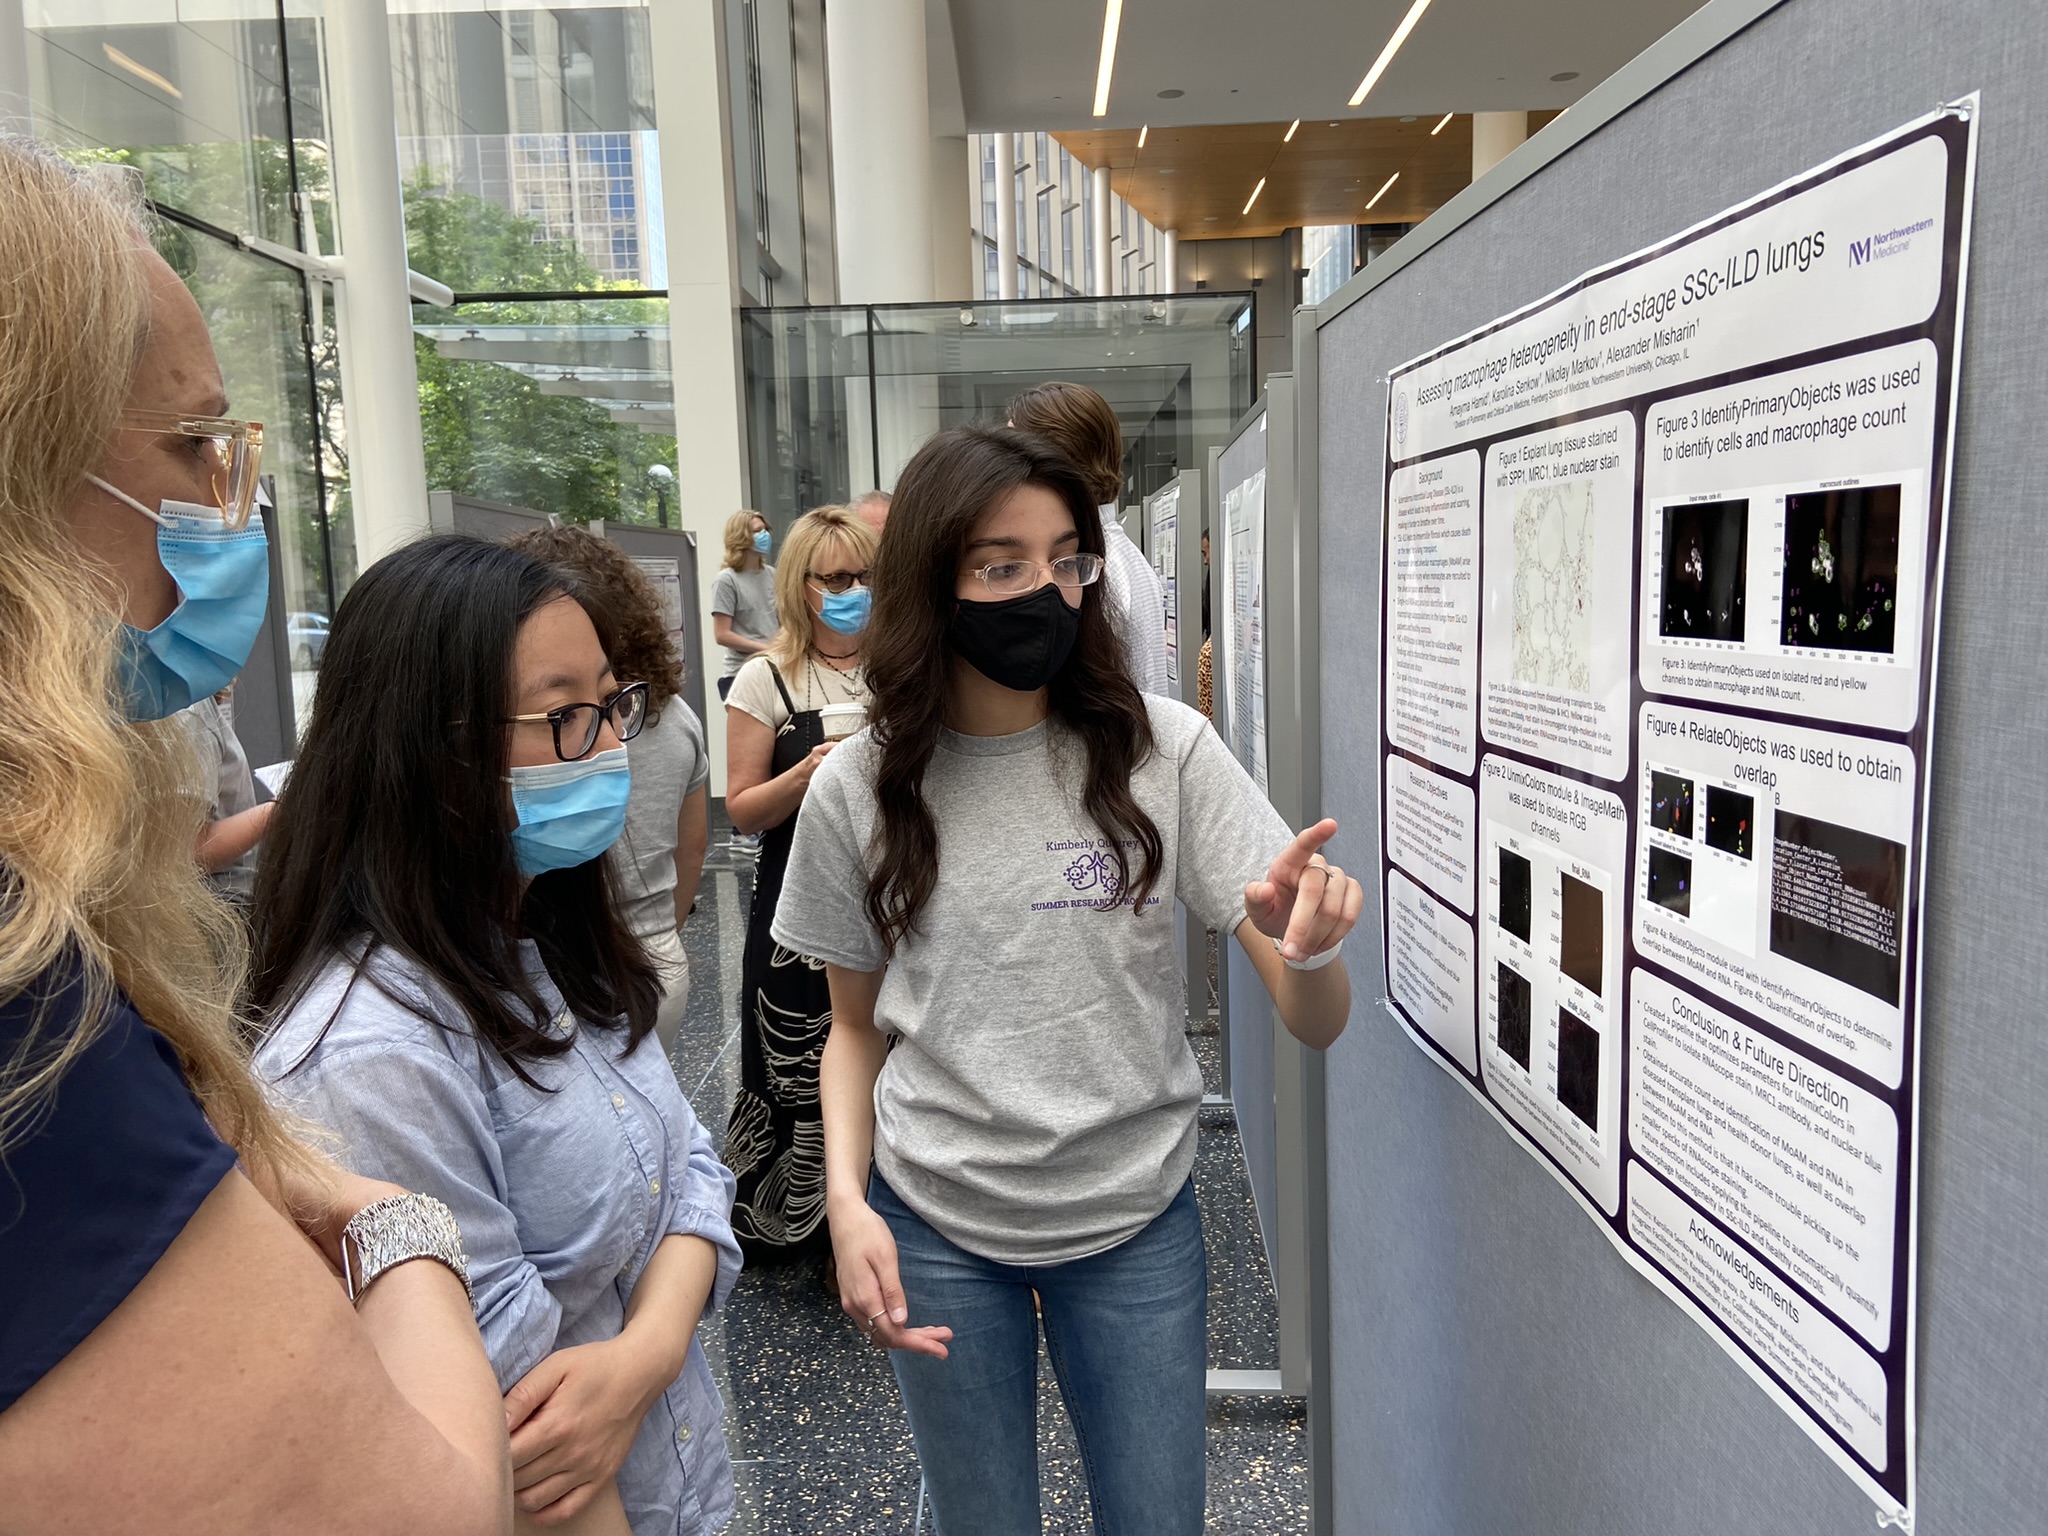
<point>666,574</point>
<point>1164,512</point>
<point>1662,564</point>
<point>1243,631</point>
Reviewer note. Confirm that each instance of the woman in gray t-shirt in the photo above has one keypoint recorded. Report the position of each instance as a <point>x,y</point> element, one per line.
<point>743,613</point>
<point>989,873</point>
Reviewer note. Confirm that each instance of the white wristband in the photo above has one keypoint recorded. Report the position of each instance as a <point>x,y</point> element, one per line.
<point>1313,962</point>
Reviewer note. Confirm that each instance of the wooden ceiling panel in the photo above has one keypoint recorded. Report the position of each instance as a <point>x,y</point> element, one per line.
<point>1196,179</point>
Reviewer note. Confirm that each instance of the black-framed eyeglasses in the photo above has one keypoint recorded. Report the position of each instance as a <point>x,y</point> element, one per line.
<point>1011,578</point>
<point>576,725</point>
<point>841,581</point>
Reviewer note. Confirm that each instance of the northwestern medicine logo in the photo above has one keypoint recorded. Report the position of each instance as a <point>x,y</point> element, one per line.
<point>1893,242</point>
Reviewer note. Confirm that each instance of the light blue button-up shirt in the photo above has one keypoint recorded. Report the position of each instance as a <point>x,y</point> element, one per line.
<point>562,1191</point>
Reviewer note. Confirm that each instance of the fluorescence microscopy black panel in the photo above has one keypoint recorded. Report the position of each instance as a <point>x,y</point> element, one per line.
<point>1842,569</point>
<point>1836,900</point>
<point>1671,803</point>
<point>1706,564</point>
<point>1578,1067</point>
<point>1583,946</point>
<point>1731,821</point>
<point>1511,1029</point>
<point>1514,894</point>
<point>1671,880</point>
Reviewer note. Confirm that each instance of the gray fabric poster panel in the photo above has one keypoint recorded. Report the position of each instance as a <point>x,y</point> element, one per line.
<point>1251,1010</point>
<point>1497,1367</point>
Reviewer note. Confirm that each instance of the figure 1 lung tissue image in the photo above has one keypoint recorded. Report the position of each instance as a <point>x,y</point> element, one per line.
<point>1582,944</point>
<point>1842,569</point>
<point>1706,554</point>
<point>1578,1067</point>
<point>1731,821</point>
<point>1837,895</point>
<point>1514,894</point>
<point>1671,803</point>
<point>1511,1029</point>
<point>1671,880</point>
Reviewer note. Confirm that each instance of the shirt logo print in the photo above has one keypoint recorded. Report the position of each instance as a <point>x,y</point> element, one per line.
<point>1094,871</point>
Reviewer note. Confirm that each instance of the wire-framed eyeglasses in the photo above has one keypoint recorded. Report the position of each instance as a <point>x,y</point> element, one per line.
<point>232,451</point>
<point>1013,578</point>
<point>576,725</point>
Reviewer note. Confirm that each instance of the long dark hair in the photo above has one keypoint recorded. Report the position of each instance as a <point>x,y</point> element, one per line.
<point>953,481</point>
<point>395,830</point>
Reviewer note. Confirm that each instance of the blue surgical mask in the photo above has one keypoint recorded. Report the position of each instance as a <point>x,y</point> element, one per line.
<point>764,541</point>
<point>847,612</point>
<point>569,813</point>
<point>223,578</point>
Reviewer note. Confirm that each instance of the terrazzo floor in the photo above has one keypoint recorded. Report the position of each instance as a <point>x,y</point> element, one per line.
<point>819,1439</point>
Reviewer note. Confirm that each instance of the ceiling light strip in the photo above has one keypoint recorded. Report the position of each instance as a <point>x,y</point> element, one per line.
<point>1379,65</point>
<point>140,71</point>
<point>1141,135</point>
<point>1112,19</point>
<point>1439,128</point>
<point>1382,191</point>
<point>1262,187</point>
<point>1291,127</point>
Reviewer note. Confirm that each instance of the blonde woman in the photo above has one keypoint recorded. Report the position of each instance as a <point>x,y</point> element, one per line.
<point>175,1356</point>
<point>743,594</point>
<point>787,709</point>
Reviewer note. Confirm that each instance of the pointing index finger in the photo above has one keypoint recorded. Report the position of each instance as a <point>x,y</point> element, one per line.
<point>1295,856</point>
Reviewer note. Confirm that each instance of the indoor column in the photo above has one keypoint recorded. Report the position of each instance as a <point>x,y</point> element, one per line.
<point>881,150</point>
<point>1495,136</point>
<point>1006,215</point>
<point>1099,280</point>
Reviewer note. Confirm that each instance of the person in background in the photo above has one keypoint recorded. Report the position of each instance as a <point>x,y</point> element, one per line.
<point>234,818</point>
<point>452,992</point>
<point>743,594</point>
<point>660,858</point>
<point>990,875</point>
<point>786,713</point>
<point>873,509</point>
<point>178,1353</point>
<point>1083,428</point>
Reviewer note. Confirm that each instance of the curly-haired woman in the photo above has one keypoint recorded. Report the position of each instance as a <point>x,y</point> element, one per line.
<point>659,857</point>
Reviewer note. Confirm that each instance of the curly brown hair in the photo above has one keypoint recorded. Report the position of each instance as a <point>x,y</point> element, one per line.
<point>641,651</point>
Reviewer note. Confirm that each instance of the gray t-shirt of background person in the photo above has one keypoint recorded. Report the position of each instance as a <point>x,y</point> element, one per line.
<point>749,598</point>
<point>1040,1103</point>
<point>668,764</point>
<point>229,785</point>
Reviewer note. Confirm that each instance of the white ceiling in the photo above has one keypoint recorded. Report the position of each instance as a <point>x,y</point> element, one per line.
<point>1030,64</point>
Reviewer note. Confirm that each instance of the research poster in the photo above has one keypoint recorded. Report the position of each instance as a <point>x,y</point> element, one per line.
<point>1164,512</point>
<point>1240,657</point>
<point>1661,585</point>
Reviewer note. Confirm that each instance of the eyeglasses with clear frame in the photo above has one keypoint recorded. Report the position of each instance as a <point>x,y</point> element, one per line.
<point>232,450</point>
<point>840,581</point>
<point>576,725</point>
<point>1014,578</point>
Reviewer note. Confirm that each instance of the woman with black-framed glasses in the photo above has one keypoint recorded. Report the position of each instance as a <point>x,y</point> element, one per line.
<point>448,985</point>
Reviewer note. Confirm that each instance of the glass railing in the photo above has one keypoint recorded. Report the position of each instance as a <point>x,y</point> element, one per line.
<point>838,398</point>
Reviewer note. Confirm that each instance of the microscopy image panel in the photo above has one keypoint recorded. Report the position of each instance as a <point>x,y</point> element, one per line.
<point>1842,569</point>
<point>1582,951</point>
<point>1671,803</point>
<point>1706,570</point>
<point>1731,821</point>
<point>1578,1067</point>
<point>1837,896</point>
<point>1511,1032</point>
<point>1671,880</point>
<point>1514,894</point>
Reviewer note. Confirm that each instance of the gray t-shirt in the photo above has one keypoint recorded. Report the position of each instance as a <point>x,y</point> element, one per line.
<point>668,763</point>
<point>1040,1103</point>
<point>748,597</point>
<point>230,786</point>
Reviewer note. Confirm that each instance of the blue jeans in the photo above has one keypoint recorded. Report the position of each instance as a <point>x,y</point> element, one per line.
<point>1127,1331</point>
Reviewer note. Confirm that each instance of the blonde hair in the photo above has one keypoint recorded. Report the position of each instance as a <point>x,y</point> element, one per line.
<point>739,536</point>
<point>800,548</point>
<point>98,818</point>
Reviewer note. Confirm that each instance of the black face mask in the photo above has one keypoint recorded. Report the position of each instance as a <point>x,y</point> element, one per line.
<point>1020,642</point>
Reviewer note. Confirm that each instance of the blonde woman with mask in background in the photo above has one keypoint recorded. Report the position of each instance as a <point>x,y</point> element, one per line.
<point>743,617</point>
<point>788,709</point>
<point>178,1352</point>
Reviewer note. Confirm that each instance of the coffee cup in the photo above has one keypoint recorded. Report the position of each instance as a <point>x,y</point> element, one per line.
<point>842,720</point>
